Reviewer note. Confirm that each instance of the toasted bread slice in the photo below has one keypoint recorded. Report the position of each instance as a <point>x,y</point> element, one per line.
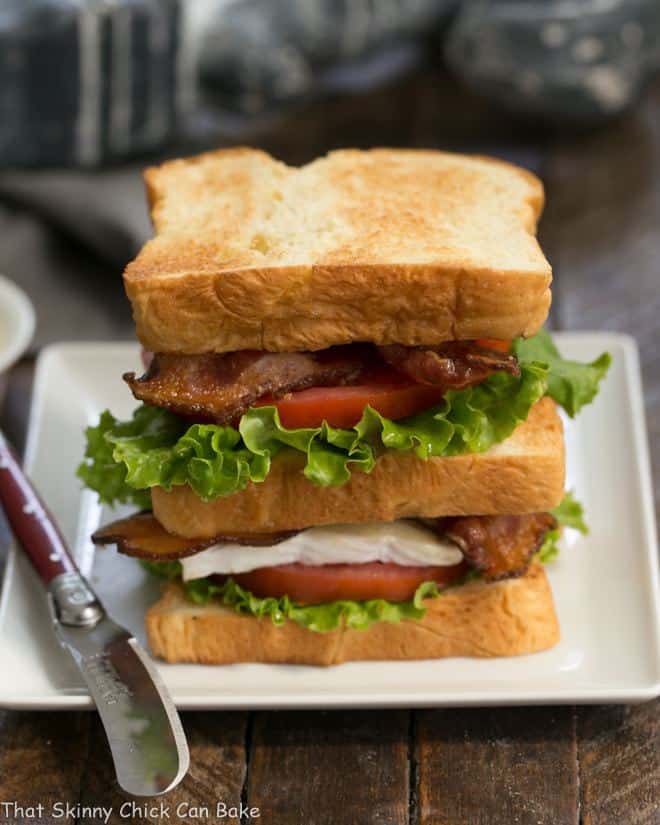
<point>507,618</point>
<point>523,474</point>
<point>389,246</point>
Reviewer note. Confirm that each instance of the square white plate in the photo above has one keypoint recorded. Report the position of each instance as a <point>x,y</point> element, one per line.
<point>605,584</point>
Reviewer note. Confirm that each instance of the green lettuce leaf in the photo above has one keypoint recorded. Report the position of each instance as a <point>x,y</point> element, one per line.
<point>569,513</point>
<point>101,471</point>
<point>570,383</point>
<point>321,618</point>
<point>156,448</point>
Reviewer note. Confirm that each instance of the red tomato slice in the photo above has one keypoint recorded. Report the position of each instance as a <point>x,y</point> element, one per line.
<point>494,343</point>
<point>314,585</point>
<point>386,391</point>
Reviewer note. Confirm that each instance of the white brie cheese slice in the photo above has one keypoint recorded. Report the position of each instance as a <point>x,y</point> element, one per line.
<point>400,542</point>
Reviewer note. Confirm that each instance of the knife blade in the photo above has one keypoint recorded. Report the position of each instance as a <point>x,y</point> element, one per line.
<point>146,738</point>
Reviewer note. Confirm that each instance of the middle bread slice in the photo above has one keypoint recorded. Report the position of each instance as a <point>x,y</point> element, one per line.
<point>523,474</point>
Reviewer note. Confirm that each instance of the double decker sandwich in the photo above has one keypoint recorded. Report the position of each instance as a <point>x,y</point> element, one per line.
<point>348,444</point>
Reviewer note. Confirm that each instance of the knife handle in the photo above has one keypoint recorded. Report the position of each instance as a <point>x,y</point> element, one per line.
<point>30,521</point>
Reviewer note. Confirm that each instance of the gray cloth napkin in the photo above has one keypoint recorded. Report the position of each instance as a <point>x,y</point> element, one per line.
<point>66,237</point>
<point>105,210</point>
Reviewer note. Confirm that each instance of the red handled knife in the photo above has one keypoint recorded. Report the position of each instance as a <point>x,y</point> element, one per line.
<point>144,731</point>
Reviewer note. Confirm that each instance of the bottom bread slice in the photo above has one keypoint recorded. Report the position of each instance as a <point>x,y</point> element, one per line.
<point>507,618</point>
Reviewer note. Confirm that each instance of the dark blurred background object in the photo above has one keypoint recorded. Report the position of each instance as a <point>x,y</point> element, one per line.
<point>258,54</point>
<point>579,62</point>
<point>82,83</point>
<point>88,82</point>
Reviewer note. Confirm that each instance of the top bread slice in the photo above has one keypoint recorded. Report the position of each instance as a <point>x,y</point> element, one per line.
<point>389,246</point>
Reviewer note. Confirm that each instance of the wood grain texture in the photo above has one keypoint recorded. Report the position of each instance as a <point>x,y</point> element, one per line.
<point>42,760</point>
<point>217,773</point>
<point>496,766</point>
<point>619,757</point>
<point>327,768</point>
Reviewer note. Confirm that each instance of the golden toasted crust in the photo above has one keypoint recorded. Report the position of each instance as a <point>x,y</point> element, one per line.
<point>523,474</point>
<point>509,618</point>
<point>389,246</point>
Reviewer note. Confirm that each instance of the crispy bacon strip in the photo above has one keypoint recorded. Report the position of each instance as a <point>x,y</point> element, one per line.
<point>454,365</point>
<point>222,387</point>
<point>142,536</point>
<point>500,547</point>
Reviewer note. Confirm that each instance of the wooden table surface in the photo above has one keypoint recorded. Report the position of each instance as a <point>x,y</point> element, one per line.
<point>536,766</point>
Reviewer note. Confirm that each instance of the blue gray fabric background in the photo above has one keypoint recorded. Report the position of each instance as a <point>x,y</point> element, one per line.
<point>86,82</point>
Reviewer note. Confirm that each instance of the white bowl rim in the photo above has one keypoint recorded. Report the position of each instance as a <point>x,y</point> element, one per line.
<point>13,298</point>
